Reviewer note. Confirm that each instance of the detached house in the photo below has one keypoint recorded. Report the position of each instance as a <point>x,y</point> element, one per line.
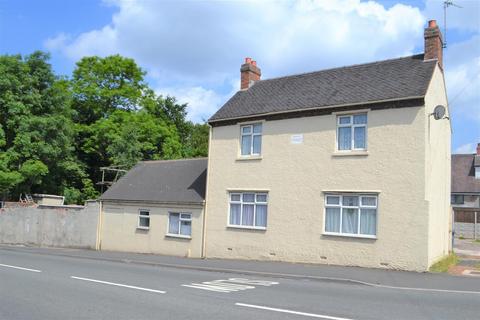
<point>343,166</point>
<point>346,166</point>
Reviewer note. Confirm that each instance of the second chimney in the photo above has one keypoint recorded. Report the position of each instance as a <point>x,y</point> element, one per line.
<point>433,43</point>
<point>249,73</point>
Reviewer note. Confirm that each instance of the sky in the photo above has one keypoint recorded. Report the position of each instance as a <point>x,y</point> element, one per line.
<point>193,49</point>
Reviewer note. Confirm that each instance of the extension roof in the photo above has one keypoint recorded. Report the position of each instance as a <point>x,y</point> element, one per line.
<point>170,181</point>
<point>463,173</point>
<point>395,79</point>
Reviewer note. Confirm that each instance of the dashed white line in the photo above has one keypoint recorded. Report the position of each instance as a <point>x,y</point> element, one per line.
<point>305,314</point>
<point>118,284</point>
<point>19,268</point>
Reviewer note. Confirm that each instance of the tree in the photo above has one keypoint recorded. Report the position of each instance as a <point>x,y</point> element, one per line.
<point>196,141</point>
<point>56,133</point>
<point>102,85</point>
<point>36,135</point>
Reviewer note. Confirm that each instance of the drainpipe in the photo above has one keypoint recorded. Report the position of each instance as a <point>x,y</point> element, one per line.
<point>475,227</point>
<point>99,226</point>
<point>205,207</point>
<point>453,229</point>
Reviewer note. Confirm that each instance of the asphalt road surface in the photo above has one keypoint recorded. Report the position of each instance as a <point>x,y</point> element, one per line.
<point>35,285</point>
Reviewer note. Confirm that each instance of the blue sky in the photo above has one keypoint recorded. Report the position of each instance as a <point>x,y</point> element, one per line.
<point>193,49</point>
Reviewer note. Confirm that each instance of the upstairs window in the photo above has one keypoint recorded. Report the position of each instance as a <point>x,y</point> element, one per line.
<point>352,132</point>
<point>144,219</point>
<point>457,199</point>
<point>251,139</point>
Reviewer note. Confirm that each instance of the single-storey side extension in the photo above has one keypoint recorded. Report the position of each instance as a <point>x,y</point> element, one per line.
<point>157,207</point>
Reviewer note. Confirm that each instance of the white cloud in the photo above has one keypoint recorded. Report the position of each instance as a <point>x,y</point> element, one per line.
<point>193,49</point>
<point>466,148</point>
<point>466,18</point>
<point>202,103</point>
<point>59,42</point>
<point>462,63</point>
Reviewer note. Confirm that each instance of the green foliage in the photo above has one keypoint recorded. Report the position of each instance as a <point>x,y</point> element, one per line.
<point>56,133</point>
<point>32,172</point>
<point>72,195</point>
<point>8,180</point>
<point>102,85</point>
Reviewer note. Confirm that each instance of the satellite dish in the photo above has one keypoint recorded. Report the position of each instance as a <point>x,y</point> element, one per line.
<point>438,112</point>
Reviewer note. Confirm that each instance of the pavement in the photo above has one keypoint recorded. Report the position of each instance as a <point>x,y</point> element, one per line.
<point>467,247</point>
<point>41,283</point>
<point>468,253</point>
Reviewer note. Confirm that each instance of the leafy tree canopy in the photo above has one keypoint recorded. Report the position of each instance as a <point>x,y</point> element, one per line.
<point>56,133</point>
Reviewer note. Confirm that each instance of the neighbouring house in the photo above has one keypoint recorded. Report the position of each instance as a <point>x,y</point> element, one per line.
<point>157,207</point>
<point>346,166</point>
<point>466,193</point>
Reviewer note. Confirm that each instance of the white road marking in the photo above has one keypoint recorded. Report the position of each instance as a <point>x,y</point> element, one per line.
<point>305,314</point>
<point>206,287</point>
<point>230,285</point>
<point>19,268</point>
<point>118,284</point>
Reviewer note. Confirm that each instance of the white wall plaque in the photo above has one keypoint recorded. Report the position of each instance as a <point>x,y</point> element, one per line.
<point>296,139</point>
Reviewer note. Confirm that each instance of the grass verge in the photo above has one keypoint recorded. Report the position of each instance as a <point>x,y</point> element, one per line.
<point>445,263</point>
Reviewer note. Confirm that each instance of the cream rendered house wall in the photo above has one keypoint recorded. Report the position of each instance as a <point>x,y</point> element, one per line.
<point>119,232</point>
<point>296,177</point>
<point>437,170</point>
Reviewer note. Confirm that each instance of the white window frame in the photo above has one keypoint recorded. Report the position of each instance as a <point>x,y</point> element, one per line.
<point>358,207</point>
<point>253,135</point>
<point>180,219</point>
<point>144,216</point>
<point>352,131</point>
<point>241,202</point>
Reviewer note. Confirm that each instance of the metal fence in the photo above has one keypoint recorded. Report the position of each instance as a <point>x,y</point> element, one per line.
<point>467,223</point>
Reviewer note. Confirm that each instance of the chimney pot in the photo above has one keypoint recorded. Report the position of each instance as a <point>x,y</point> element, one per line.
<point>249,73</point>
<point>478,149</point>
<point>433,43</point>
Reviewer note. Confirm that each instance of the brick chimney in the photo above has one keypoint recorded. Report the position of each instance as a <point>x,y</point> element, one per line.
<point>249,73</point>
<point>433,43</point>
<point>478,149</point>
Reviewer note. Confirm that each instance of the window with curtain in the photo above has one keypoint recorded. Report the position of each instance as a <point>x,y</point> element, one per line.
<point>144,219</point>
<point>248,209</point>
<point>352,132</point>
<point>251,139</point>
<point>351,214</point>
<point>180,224</point>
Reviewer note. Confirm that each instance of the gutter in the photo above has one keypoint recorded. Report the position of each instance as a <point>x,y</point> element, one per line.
<point>168,203</point>
<point>316,108</point>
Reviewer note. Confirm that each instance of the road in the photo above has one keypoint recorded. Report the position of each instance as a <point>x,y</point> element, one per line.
<point>38,285</point>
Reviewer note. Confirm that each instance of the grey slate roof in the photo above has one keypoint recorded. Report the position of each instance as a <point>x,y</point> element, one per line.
<point>393,79</point>
<point>172,181</point>
<point>463,174</point>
